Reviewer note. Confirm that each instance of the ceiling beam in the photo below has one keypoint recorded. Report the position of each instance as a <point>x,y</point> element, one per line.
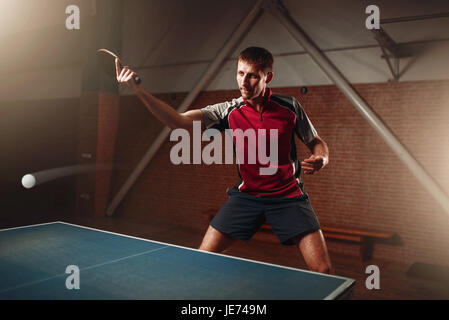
<point>415,18</point>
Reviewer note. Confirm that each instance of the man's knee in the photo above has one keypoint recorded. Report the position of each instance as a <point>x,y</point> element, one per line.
<point>209,246</point>
<point>215,241</point>
<point>323,268</point>
<point>203,246</point>
<point>314,251</point>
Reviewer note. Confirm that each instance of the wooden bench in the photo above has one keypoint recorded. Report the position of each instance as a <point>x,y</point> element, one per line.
<point>364,238</point>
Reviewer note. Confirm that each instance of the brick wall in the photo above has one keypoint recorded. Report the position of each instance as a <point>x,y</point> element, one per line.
<point>364,186</point>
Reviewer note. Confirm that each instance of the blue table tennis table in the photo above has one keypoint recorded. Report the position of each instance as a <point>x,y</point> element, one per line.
<point>34,259</point>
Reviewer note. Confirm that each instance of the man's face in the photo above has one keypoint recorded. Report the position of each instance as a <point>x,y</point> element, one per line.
<point>251,80</point>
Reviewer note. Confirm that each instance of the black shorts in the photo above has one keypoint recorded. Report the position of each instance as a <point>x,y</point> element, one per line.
<point>243,214</point>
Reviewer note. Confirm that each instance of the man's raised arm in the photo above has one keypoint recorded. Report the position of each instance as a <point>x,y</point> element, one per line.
<point>161,110</point>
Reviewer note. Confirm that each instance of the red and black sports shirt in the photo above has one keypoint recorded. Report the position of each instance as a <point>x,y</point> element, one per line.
<point>280,112</point>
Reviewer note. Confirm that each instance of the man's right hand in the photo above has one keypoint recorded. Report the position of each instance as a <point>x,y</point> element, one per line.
<point>126,75</point>
<point>164,112</point>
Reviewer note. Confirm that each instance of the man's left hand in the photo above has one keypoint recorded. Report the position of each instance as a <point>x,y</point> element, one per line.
<point>312,164</point>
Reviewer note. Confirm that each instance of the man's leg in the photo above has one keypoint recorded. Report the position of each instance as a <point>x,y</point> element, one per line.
<point>314,251</point>
<point>215,241</point>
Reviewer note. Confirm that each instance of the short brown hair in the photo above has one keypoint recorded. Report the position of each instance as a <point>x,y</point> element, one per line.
<point>260,57</point>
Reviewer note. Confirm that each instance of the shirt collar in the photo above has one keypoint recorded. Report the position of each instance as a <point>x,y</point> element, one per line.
<point>267,101</point>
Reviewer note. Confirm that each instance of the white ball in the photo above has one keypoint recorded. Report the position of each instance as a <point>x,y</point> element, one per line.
<point>28,181</point>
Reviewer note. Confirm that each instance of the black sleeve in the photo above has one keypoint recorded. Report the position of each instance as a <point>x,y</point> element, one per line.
<point>304,127</point>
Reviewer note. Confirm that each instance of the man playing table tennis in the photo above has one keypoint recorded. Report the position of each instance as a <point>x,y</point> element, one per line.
<point>279,198</point>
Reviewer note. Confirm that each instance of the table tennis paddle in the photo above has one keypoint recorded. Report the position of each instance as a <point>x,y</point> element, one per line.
<point>109,63</point>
